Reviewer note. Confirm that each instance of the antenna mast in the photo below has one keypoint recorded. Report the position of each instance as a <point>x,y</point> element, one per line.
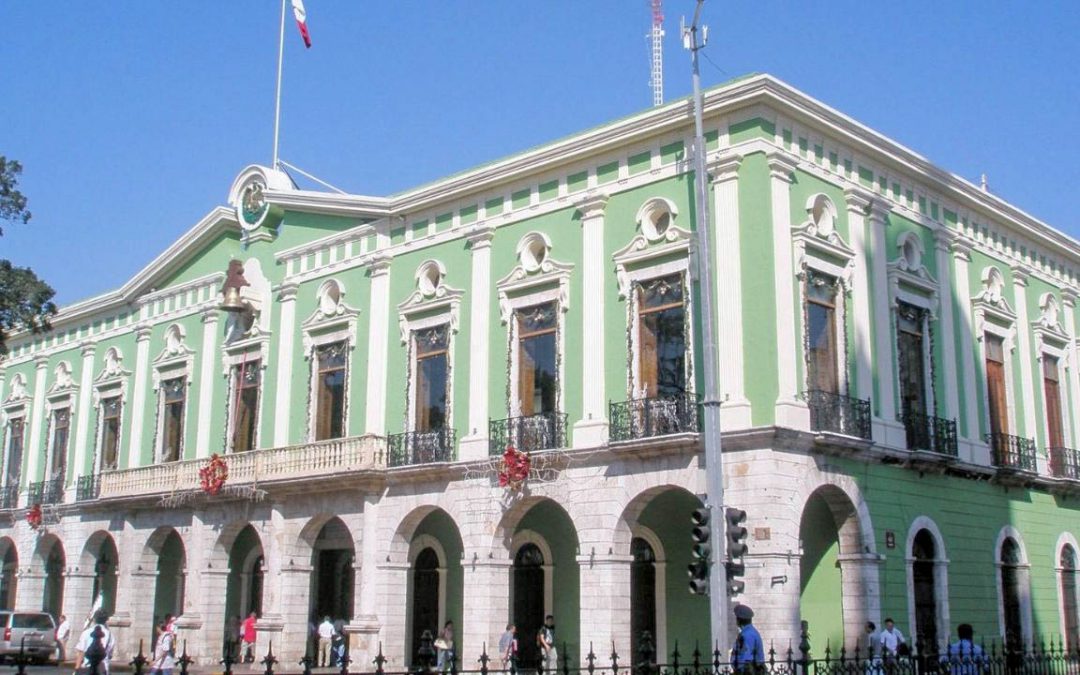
<point>656,79</point>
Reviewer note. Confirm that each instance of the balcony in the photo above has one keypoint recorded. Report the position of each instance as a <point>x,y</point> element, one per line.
<point>334,457</point>
<point>1064,463</point>
<point>929,433</point>
<point>529,433</point>
<point>838,414</point>
<point>9,496</point>
<point>1012,453</point>
<point>46,492</point>
<point>421,447</point>
<point>87,488</point>
<point>651,417</point>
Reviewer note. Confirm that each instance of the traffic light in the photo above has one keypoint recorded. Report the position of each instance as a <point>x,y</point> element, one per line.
<point>698,569</point>
<point>736,549</point>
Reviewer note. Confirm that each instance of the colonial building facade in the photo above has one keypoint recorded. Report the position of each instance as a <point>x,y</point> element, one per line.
<point>899,380</point>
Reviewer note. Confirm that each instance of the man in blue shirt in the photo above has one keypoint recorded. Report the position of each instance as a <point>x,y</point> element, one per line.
<point>748,655</point>
<point>965,657</point>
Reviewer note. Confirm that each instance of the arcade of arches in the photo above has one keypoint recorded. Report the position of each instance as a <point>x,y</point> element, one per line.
<point>609,564</point>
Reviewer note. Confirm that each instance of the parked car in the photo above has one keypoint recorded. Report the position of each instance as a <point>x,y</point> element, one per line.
<point>33,631</point>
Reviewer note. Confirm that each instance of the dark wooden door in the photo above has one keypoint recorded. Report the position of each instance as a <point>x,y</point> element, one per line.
<point>528,603</point>
<point>425,604</point>
<point>642,597</point>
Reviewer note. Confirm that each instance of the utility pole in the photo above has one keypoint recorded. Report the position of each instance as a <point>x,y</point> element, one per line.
<point>694,39</point>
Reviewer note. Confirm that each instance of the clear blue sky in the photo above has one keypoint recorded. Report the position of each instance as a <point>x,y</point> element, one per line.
<point>132,117</point>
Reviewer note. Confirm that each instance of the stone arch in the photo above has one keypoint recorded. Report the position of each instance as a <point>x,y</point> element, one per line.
<point>165,553</point>
<point>849,510</point>
<point>401,542</point>
<point>940,564</point>
<point>101,557</point>
<point>151,550</point>
<point>329,546</point>
<point>1068,588</point>
<point>49,556</point>
<point>303,547</point>
<point>226,539</point>
<point>623,531</point>
<point>9,567</point>
<point>503,534</point>
<point>1018,572</point>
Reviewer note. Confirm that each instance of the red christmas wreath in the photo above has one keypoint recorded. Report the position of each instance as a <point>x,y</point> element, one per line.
<point>33,516</point>
<point>515,468</point>
<point>212,477</point>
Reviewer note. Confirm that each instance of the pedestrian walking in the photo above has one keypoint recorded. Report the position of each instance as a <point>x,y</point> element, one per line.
<point>164,656</point>
<point>893,643</point>
<point>873,649</point>
<point>546,639</point>
<point>748,654</point>
<point>63,632</point>
<point>444,644</point>
<point>326,637</point>
<point>95,646</point>
<point>508,647</point>
<point>247,638</point>
<point>965,657</point>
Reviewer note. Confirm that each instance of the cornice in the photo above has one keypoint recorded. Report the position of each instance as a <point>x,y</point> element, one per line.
<point>592,205</point>
<point>724,167</point>
<point>781,166</point>
<point>859,199</point>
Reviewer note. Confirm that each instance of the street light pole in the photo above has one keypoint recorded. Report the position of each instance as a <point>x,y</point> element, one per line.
<point>694,38</point>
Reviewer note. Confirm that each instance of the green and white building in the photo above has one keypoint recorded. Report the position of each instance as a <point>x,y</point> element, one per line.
<point>899,377</point>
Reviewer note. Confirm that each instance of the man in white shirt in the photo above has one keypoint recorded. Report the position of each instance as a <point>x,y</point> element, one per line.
<point>96,642</point>
<point>891,639</point>
<point>326,638</point>
<point>63,632</point>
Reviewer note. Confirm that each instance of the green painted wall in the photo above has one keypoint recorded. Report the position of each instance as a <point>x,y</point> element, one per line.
<point>819,572</point>
<point>759,318</point>
<point>551,522</point>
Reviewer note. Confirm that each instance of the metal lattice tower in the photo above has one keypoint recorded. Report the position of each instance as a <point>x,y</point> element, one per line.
<point>656,79</point>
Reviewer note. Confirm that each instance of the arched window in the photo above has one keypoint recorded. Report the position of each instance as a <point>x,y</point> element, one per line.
<point>1010,560</point>
<point>1069,610</point>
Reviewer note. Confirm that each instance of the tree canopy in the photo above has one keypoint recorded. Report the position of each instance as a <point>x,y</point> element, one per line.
<point>25,300</point>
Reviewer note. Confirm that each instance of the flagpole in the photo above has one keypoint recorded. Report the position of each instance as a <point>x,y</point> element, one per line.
<point>277,96</point>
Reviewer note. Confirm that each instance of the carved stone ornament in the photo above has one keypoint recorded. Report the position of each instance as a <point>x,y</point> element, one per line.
<point>432,296</point>
<point>17,389</point>
<point>819,246</point>
<point>1050,335</point>
<point>248,196</point>
<point>643,251</point>
<point>909,280</point>
<point>536,274</point>
<point>62,379</point>
<point>332,318</point>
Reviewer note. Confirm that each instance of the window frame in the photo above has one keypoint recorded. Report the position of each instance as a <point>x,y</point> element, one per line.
<point>415,360</point>
<point>111,382</point>
<point>926,340</point>
<point>317,371</point>
<point>639,313</point>
<point>236,389</point>
<point>11,415</point>
<point>994,316</point>
<point>175,361</point>
<point>1023,580</point>
<point>518,354</point>
<point>839,324</point>
<point>99,447</point>
<point>60,398</point>
<point>162,426</point>
<point>941,578</point>
<point>1067,540</point>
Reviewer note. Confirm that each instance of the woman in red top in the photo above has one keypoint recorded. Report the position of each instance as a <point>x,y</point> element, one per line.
<point>247,637</point>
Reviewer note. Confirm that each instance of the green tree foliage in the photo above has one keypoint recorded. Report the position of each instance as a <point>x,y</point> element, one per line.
<point>25,300</point>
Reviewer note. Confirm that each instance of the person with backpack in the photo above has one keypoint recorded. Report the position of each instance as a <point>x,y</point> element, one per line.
<point>165,650</point>
<point>95,648</point>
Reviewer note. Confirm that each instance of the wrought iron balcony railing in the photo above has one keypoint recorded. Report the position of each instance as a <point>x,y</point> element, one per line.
<point>838,414</point>
<point>926,432</point>
<point>544,431</point>
<point>87,488</point>
<point>658,416</point>
<point>46,492</point>
<point>9,496</point>
<point>1012,452</point>
<point>421,447</point>
<point>1065,463</point>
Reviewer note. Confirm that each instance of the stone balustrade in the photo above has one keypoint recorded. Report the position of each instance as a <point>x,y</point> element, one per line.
<point>321,458</point>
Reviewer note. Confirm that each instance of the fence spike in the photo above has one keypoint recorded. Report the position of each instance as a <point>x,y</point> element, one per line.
<point>139,662</point>
<point>379,661</point>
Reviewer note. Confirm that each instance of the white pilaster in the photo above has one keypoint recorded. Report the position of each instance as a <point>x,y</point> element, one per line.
<point>36,451</point>
<point>971,449</point>
<point>858,202</point>
<point>1068,302</point>
<point>474,445</point>
<point>591,430</point>
<point>84,413</point>
<point>1023,344</point>
<point>378,330</point>
<point>604,589</point>
<point>791,411</point>
<point>890,431</point>
<point>286,339</point>
<point>734,406</point>
<point>486,608</point>
<point>138,401</point>
<point>206,382</point>
<point>943,239</point>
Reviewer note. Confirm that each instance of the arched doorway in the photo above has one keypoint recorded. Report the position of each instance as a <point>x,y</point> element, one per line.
<point>924,555</point>
<point>8,573</point>
<point>1009,561</point>
<point>53,597</point>
<point>332,574</point>
<point>425,597</point>
<point>171,571</point>
<point>101,556</point>
<point>529,606</point>
<point>1070,611</point>
<point>642,595</point>
<point>243,593</point>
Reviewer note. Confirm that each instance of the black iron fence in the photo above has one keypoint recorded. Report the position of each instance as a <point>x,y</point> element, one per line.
<point>1012,452</point>
<point>9,496</point>
<point>838,414</point>
<point>926,432</point>
<point>87,488</point>
<point>1040,658</point>
<point>543,431</point>
<point>46,492</point>
<point>421,447</point>
<point>650,417</point>
<point>1064,463</point>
